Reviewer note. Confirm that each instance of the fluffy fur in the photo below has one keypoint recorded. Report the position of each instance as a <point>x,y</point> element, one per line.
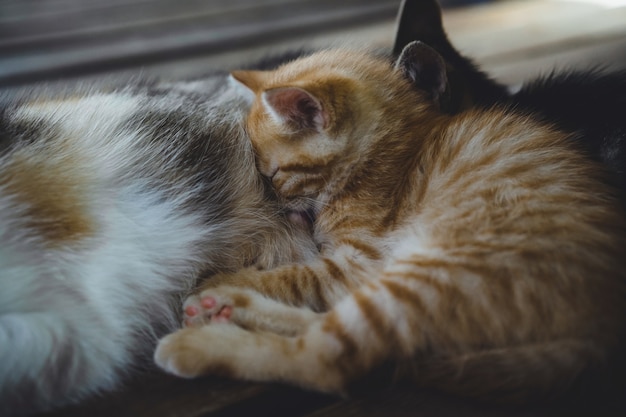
<point>484,248</point>
<point>112,204</point>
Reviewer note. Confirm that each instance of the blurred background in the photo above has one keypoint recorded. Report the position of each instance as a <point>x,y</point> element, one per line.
<point>512,39</point>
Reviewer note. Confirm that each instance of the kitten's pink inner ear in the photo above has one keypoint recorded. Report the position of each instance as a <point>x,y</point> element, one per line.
<point>297,107</point>
<point>251,79</point>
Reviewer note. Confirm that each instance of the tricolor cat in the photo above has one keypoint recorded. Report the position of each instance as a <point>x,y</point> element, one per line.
<point>111,205</point>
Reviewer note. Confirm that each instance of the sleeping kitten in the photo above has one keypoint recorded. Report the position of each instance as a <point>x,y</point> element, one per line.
<point>111,205</point>
<point>589,104</point>
<point>483,247</point>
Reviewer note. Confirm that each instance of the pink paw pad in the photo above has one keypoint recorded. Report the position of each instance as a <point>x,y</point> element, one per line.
<point>202,310</point>
<point>208,302</point>
<point>225,312</point>
<point>223,315</point>
<point>191,311</point>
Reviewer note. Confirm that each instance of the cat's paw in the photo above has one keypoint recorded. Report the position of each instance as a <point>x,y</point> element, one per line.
<point>189,353</point>
<point>246,308</point>
<point>213,305</point>
<point>177,356</point>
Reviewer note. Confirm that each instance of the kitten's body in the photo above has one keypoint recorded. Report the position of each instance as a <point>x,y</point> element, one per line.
<point>484,249</point>
<point>111,205</point>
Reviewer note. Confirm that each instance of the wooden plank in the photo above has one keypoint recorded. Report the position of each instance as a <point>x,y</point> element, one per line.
<point>504,29</point>
<point>161,395</point>
<point>81,50</point>
<point>605,53</point>
<point>498,35</point>
<point>517,40</point>
<point>104,18</point>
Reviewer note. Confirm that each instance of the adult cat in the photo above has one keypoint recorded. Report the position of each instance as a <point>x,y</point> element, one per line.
<point>589,104</point>
<point>482,249</point>
<point>111,206</point>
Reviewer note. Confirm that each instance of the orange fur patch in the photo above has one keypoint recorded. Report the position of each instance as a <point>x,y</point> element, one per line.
<point>53,200</point>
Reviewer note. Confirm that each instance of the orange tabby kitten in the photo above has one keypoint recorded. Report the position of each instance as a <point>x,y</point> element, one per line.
<point>481,246</point>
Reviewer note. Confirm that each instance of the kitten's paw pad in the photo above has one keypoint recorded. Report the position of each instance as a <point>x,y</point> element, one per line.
<point>223,315</point>
<point>218,303</point>
<point>214,305</point>
<point>194,313</point>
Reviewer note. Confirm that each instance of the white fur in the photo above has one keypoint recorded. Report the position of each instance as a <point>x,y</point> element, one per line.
<point>142,239</point>
<point>74,318</point>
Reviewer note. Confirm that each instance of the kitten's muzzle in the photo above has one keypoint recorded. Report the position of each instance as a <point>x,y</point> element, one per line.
<point>273,174</point>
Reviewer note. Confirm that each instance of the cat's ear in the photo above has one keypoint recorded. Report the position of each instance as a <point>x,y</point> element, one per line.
<point>425,68</point>
<point>253,80</point>
<point>296,107</point>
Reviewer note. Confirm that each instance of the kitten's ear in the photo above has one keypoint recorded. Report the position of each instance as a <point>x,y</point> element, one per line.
<point>425,68</point>
<point>253,80</point>
<point>296,107</point>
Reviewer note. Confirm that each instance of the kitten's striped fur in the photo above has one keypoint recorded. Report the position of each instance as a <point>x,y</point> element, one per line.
<point>482,247</point>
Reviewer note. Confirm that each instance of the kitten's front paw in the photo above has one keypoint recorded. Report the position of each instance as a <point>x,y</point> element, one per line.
<point>212,305</point>
<point>177,354</point>
<point>189,353</point>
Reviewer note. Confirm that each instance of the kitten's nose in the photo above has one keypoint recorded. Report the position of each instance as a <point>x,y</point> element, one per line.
<point>266,168</point>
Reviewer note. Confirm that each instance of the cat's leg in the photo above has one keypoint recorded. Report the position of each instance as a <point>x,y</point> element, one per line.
<point>246,308</point>
<point>337,347</point>
<point>257,299</point>
<point>318,284</point>
<point>392,319</point>
<point>312,285</point>
<point>228,350</point>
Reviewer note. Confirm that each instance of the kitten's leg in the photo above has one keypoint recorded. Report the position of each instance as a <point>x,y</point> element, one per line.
<point>392,319</point>
<point>311,285</point>
<point>228,350</point>
<point>257,299</point>
<point>246,308</point>
<point>337,347</point>
<point>318,284</point>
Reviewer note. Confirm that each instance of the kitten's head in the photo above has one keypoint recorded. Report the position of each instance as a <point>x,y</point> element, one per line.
<point>313,119</point>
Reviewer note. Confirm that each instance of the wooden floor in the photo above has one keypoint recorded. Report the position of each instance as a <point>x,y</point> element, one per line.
<point>513,41</point>
<point>158,395</point>
<point>520,39</point>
